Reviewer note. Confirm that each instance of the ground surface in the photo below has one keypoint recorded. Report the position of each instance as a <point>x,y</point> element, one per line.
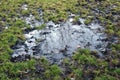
<point>84,64</point>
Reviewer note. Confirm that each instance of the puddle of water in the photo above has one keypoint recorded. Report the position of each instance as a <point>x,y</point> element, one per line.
<point>58,41</point>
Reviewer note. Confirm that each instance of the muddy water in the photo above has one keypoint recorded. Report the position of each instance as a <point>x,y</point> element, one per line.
<point>58,41</point>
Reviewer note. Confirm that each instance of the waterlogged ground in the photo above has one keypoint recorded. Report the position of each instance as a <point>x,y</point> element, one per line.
<point>58,41</point>
<point>85,45</point>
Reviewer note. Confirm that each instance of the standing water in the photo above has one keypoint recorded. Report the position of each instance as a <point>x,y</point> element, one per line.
<point>58,41</point>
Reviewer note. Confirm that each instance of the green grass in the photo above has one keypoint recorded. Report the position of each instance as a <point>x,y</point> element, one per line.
<point>40,27</point>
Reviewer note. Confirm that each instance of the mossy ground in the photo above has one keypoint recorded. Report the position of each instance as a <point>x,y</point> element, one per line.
<point>106,12</point>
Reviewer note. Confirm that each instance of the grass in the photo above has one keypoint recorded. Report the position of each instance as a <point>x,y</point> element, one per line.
<point>86,64</point>
<point>40,27</point>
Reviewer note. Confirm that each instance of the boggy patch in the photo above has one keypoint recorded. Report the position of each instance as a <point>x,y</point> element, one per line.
<point>58,41</point>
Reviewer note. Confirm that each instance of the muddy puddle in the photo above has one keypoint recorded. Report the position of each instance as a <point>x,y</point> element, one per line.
<point>58,41</point>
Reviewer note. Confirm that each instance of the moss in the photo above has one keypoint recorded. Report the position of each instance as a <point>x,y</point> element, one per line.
<point>16,69</point>
<point>117,71</point>
<point>25,12</point>
<point>102,63</point>
<point>66,61</point>
<point>83,57</point>
<point>89,64</point>
<point>41,27</point>
<point>88,21</point>
<point>78,74</point>
<point>115,61</point>
<point>105,77</point>
<point>53,72</point>
<point>44,61</point>
<point>76,20</point>
<point>37,17</point>
<point>118,33</point>
<point>10,36</point>
<point>116,46</point>
<point>109,31</point>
